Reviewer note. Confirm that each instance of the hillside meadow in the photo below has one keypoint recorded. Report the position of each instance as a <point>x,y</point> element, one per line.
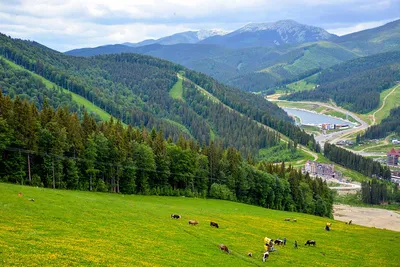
<point>72,228</point>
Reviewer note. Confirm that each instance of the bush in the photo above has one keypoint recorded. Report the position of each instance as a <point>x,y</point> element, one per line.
<point>219,191</point>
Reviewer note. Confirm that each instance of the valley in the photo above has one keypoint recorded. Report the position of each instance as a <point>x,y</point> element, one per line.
<point>166,145</point>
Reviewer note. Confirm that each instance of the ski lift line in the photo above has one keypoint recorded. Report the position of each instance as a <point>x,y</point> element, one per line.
<point>13,149</point>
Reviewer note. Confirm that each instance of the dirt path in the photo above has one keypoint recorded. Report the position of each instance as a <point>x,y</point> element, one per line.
<point>371,217</point>
<point>383,105</point>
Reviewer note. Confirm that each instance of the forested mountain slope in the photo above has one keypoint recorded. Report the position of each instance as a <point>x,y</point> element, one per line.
<point>135,89</point>
<point>391,124</point>
<point>372,41</point>
<point>251,69</point>
<point>255,66</point>
<point>356,84</point>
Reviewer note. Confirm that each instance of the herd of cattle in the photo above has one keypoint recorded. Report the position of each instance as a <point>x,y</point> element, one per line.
<point>278,242</point>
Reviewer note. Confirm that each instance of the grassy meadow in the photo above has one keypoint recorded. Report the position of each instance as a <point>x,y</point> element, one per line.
<point>176,91</point>
<point>72,228</point>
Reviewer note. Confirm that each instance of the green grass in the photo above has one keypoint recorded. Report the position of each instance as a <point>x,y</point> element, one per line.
<point>341,115</point>
<point>89,106</point>
<point>281,153</point>
<point>392,101</point>
<point>176,91</point>
<point>301,85</point>
<point>72,228</point>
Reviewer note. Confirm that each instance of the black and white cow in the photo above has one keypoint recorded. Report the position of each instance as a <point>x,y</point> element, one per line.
<point>265,256</point>
<point>310,242</point>
<point>175,216</point>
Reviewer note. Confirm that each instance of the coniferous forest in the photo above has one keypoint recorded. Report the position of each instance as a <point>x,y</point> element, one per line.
<point>361,164</point>
<point>135,89</point>
<point>391,124</point>
<point>356,84</point>
<point>54,148</point>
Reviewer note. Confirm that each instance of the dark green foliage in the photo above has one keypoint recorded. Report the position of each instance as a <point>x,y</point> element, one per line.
<point>391,124</point>
<point>356,84</point>
<point>135,89</point>
<point>374,192</point>
<point>46,150</point>
<point>348,159</point>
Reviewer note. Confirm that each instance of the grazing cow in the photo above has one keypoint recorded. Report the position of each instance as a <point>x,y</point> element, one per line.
<point>294,220</point>
<point>310,242</point>
<point>287,220</point>
<point>250,254</point>
<point>265,256</point>
<point>175,216</point>
<point>214,224</point>
<point>31,199</point>
<point>224,248</point>
<point>192,222</point>
<point>278,242</point>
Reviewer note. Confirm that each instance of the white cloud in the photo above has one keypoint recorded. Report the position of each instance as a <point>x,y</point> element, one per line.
<point>67,24</point>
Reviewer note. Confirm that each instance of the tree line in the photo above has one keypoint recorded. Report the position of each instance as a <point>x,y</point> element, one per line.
<point>376,192</point>
<point>361,164</point>
<point>54,148</point>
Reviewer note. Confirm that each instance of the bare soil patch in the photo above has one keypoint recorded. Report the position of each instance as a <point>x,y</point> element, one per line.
<point>371,217</point>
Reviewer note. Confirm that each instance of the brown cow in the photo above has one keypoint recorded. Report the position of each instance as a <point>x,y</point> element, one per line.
<point>224,248</point>
<point>287,219</point>
<point>214,224</point>
<point>193,222</point>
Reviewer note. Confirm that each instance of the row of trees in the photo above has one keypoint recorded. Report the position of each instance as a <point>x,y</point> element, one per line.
<point>55,149</point>
<point>361,164</point>
<point>374,192</point>
<point>378,192</point>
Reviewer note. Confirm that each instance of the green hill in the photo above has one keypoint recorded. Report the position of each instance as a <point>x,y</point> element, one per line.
<point>356,84</point>
<point>136,89</point>
<point>372,41</point>
<point>251,69</point>
<point>72,228</point>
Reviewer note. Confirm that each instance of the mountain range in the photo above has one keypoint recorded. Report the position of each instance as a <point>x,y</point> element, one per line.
<point>263,55</point>
<point>189,37</point>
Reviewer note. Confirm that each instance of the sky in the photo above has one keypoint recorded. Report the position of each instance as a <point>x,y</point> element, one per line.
<point>68,24</point>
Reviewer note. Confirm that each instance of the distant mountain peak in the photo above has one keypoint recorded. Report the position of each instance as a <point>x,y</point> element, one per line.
<point>203,34</point>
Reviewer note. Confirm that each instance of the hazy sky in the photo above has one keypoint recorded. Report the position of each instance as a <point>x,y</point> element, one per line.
<point>68,24</point>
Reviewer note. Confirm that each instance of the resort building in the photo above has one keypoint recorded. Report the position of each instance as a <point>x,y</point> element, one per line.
<point>393,157</point>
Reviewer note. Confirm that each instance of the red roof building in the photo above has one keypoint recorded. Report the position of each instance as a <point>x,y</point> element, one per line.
<point>393,157</point>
